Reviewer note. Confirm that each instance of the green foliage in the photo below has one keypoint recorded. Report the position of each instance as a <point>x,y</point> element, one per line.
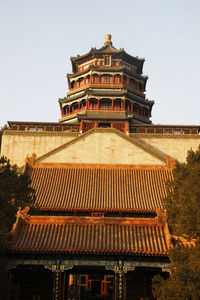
<point>14,192</point>
<point>183,197</point>
<point>183,208</point>
<point>184,281</point>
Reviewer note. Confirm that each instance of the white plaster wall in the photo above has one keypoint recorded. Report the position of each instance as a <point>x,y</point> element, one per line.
<point>17,146</point>
<point>103,148</point>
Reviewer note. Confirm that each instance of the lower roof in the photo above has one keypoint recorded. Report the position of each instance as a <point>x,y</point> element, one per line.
<point>92,235</point>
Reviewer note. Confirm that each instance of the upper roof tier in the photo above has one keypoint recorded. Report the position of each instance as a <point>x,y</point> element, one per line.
<point>107,50</point>
<point>114,188</point>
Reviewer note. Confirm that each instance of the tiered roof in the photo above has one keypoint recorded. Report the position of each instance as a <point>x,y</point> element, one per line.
<point>95,188</point>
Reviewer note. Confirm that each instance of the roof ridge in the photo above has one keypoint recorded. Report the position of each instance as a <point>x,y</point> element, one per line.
<point>96,166</point>
<point>159,220</point>
<point>151,148</point>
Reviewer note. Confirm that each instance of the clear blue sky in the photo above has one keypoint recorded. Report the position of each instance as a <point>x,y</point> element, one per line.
<point>38,37</point>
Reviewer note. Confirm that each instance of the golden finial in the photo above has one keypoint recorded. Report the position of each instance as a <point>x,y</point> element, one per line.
<point>108,39</point>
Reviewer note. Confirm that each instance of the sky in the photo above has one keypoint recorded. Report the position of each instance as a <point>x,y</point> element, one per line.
<point>38,37</point>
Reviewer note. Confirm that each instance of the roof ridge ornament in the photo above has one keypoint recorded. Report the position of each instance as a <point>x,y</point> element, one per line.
<point>108,40</point>
<point>31,160</point>
<point>21,214</point>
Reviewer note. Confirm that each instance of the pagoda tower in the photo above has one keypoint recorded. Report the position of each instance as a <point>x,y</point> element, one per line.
<point>106,89</point>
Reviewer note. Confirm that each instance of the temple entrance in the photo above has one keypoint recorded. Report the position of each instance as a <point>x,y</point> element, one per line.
<point>92,286</point>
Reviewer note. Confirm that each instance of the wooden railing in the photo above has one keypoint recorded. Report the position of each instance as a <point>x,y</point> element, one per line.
<point>164,129</point>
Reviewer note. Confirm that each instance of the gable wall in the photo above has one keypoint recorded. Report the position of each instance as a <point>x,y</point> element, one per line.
<point>103,148</point>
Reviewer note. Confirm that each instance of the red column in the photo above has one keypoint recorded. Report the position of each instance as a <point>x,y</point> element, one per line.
<point>132,107</point>
<point>124,103</point>
<point>127,127</point>
<point>62,111</point>
<point>113,79</point>
<point>91,78</point>
<point>87,103</point>
<point>85,81</point>
<point>81,127</point>
<point>98,104</point>
<point>99,78</point>
<point>127,82</point>
<point>112,107</point>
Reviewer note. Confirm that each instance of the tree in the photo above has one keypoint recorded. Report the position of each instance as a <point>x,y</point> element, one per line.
<point>14,192</point>
<point>183,208</point>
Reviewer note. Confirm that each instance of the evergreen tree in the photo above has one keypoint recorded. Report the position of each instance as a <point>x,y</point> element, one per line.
<point>14,192</point>
<point>183,208</point>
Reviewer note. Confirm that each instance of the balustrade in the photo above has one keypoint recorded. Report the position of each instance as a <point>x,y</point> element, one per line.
<point>109,106</point>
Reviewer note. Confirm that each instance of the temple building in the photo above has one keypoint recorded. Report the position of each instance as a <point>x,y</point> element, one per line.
<point>97,228</point>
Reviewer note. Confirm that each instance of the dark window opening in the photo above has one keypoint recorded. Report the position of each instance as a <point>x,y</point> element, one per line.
<point>104,125</point>
<point>107,60</point>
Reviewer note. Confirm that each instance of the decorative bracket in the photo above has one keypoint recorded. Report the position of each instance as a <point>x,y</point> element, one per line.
<point>120,269</point>
<point>58,268</point>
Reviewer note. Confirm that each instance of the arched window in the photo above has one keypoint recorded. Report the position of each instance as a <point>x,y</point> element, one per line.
<point>136,108</point>
<point>64,110</point>
<point>93,103</point>
<point>81,81</point>
<point>145,112</point>
<point>124,80</point>
<point>140,85</point>
<point>82,104</point>
<point>127,105</point>
<point>106,78</point>
<point>105,104</point>
<point>117,104</point>
<point>117,79</point>
<point>131,83</point>
<point>75,104</point>
<point>95,78</point>
<point>88,79</point>
<point>72,84</point>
